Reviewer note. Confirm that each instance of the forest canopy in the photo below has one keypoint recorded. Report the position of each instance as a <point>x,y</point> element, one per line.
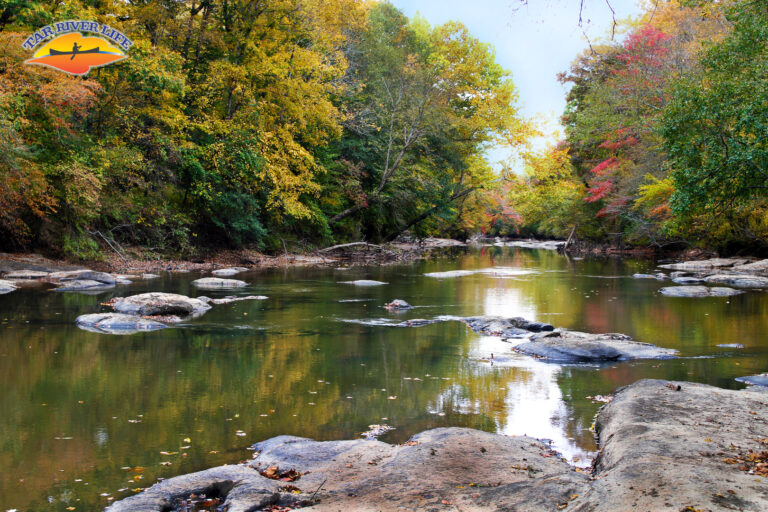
<point>248,123</point>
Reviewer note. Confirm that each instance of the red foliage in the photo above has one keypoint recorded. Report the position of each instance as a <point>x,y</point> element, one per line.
<point>599,191</point>
<point>604,167</point>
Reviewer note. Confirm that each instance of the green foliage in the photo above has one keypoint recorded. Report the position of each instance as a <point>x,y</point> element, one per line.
<point>248,123</point>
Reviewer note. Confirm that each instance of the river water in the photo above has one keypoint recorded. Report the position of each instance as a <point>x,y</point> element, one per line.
<point>86,417</point>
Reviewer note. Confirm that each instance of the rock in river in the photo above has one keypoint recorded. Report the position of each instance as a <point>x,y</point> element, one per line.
<point>84,285</point>
<point>580,347</point>
<point>684,280</point>
<point>659,277</point>
<point>26,274</point>
<point>704,265</point>
<point>215,283</point>
<point>6,287</point>
<point>364,282</point>
<point>698,291</point>
<point>160,304</point>
<point>230,271</point>
<point>755,380</point>
<point>398,305</point>
<point>504,327</point>
<point>117,323</point>
<point>738,280</point>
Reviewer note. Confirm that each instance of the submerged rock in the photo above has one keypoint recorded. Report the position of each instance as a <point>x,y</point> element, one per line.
<point>117,323</point>
<point>6,287</point>
<point>738,280</point>
<point>160,304</point>
<point>755,380</point>
<point>217,283</point>
<point>504,327</point>
<point>581,347</point>
<point>398,304</point>
<point>364,282</point>
<point>659,276</point>
<point>230,271</point>
<point>698,291</point>
<point>232,298</point>
<point>77,285</point>
<point>704,265</point>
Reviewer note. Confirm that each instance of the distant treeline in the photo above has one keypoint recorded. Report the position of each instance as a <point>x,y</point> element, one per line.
<point>249,123</point>
<point>666,136</point>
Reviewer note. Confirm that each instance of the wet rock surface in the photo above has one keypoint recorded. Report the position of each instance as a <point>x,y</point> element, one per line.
<point>755,380</point>
<point>397,305</point>
<point>573,347</point>
<point>698,291</point>
<point>117,323</point>
<point>230,271</point>
<point>504,327</point>
<point>26,274</point>
<point>659,277</point>
<point>6,286</point>
<point>705,265</point>
<point>160,304</point>
<point>738,280</point>
<point>82,285</point>
<point>215,283</point>
<point>663,446</point>
<point>687,280</point>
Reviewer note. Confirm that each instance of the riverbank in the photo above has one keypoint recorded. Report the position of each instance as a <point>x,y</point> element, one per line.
<point>663,446</point>
<point>140,260</point>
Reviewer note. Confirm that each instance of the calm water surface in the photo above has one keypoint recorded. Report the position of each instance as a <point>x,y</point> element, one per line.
<point>84,417</point>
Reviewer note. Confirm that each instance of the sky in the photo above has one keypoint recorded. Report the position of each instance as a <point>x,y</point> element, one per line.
<point>535,42</point>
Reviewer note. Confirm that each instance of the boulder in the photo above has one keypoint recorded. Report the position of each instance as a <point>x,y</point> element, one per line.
<point>581,347</point>
<point>89,275</point>
<point>755,380</point>
<point>504,327</point>
<point>450,273</point>
<point>85,285</point>
<point>160,304</point>
<point>675,275</point>
<point>704,265</point>
<point>215,283</point>
<point>230,271</point>
<point>6,287</point>
<point>364,282</point>
<point>117,323</point>
<point>149,276</point>
<point>397,305</point>
<point>26,274</point>
<point>738,280</point>
<point>698,291</point>
<point>730,345</point>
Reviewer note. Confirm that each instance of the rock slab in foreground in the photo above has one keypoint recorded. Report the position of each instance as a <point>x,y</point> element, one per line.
<point>117,323</point>
<point>738,280</point>
<point>663,446</point>
<point>664,449</point>
<point>579,347</point>
<point>698,291</point>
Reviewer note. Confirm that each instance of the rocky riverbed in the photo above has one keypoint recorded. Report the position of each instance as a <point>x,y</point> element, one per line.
<point>663,446</point>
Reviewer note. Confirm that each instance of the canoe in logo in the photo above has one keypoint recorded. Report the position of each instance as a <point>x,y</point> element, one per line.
<point>76,54</point>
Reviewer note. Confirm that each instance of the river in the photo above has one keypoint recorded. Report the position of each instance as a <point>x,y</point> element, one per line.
<point>87,417</point>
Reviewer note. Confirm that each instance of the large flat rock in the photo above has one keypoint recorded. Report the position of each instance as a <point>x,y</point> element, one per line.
<point>705,265</point>
<point>664,449</point>
<point>6,287</point>
<point>216,283</point>
<point>572,347</point>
